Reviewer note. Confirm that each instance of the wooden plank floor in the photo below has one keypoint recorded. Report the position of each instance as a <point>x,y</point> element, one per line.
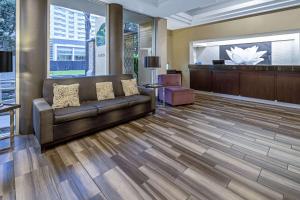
<point>217,148</point>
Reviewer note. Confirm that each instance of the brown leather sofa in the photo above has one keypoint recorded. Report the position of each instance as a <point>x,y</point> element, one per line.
<point>52,126</point>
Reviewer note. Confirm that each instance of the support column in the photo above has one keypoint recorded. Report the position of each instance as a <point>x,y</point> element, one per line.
<point>115,38</point>
<point>161,44</point>
<point>33,57</point>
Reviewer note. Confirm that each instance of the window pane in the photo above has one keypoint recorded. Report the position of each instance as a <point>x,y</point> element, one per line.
<point>7,43</point>
<point>138,29</point>
<point>79,54</point>
<point>131,47</point>
<point>75,49</point>
<point>64,54</point>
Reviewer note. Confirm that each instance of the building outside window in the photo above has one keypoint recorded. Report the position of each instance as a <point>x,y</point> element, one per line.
<point>7,43</point>
<point>77,42</point>
<point>70,53</point>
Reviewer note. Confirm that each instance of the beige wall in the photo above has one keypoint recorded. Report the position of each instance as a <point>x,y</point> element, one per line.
<point>271,22</point>
<point>169,47</point>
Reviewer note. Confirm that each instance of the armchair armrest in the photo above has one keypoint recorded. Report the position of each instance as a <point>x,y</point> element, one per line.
<point>149,92</point>
<point>43,120</point>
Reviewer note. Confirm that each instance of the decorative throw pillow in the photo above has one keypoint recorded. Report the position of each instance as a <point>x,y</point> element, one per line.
<point>130,87</point>
<point>105,91</point>
<point>65,95</point>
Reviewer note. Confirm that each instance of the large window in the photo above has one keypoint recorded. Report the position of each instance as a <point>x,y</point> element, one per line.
<point>77,40</point>
<point>7,43</point>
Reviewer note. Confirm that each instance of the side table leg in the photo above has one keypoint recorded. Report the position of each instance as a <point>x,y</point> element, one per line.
<point>164,97</point>
<point>12,127</point>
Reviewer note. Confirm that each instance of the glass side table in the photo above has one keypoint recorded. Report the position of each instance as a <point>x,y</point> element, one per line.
<point>156,87</point>
<point>11,109</point>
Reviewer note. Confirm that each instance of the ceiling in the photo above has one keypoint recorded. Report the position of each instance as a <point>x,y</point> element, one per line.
<point>186,13</point>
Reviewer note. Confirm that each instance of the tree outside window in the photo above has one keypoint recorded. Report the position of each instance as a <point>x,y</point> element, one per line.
<point>7,25</point>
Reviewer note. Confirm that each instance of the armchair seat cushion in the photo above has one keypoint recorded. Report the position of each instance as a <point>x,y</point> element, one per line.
<point>73,113</point>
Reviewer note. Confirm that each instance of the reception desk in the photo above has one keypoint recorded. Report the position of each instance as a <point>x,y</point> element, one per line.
<point>269,82</point>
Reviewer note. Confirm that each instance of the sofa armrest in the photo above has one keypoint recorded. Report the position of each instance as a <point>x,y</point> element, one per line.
<point>43,121</point>
<point>149,92</point>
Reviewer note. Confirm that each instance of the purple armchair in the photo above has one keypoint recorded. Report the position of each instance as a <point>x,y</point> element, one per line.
<point>174,94</point>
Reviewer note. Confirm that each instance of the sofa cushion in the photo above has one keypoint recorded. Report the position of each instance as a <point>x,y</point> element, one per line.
<point>130,87</point>
<point>72,113</point>
<point>138,99</point>
<point>109,104</point>
<point>119,103</point>
<point>65,95</point>
<point>105,91</point>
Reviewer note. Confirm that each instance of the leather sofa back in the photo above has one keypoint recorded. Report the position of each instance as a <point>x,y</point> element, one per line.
<point>87,88</point>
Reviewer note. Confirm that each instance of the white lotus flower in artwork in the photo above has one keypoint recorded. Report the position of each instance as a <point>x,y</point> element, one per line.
<point>249,56</point>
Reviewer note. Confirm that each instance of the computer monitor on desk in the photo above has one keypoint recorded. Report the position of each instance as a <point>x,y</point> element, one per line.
<point>219,62</point>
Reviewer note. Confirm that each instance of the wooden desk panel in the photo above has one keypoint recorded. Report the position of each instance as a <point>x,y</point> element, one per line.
<point>200,80</point>
<point>226,82</point>
<point>259,84</point>
<point>272,82</point>
<point>288,87</point>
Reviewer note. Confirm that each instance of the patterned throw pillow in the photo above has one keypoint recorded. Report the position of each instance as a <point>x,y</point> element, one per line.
<point>65,95</point>
<point>105,91</point>
<point>130,87</point>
